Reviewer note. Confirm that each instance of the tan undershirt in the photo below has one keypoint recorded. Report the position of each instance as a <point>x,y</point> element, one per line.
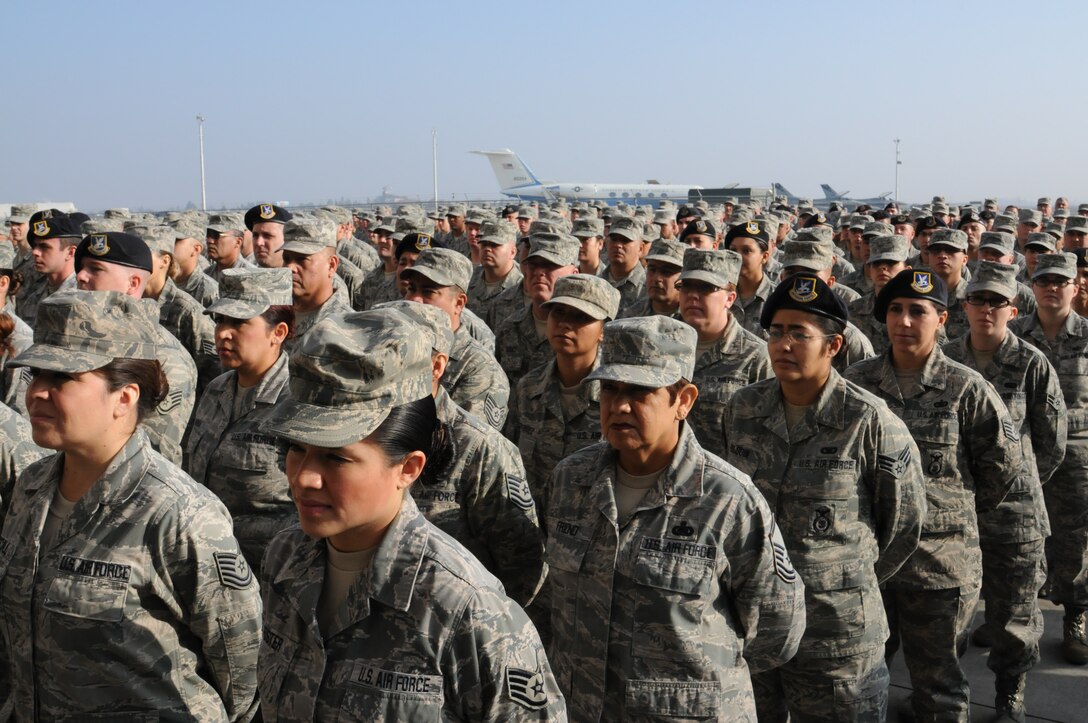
<point>794,414</point>
<point>982,358</point>
<point>568,400</point>
<point>243,397</point>
<point>703,347</point>
<point>541,326</point>
<point>59,510</point>
<point>631,488</point>
<point>907,379</point>
<point>342,569</point>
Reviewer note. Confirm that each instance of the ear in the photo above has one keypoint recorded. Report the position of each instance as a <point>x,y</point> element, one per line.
<point>334,264</point>
<point>439,362</point>
<point>685,400</point>
<point>460,301</point>
<point>127,401</point>
<point>279,333</point>
<point>835,344</point>
<point>942,318</point>
<point>410,469</point>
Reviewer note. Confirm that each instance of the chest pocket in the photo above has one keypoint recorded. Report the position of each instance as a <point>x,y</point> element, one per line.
<point>274,663</point>
<point>938,443</point>
<point>252,456</point>
<point>88,598</point>
<point>947,498</point>
<point>566,547</point>
<point>679,573</point>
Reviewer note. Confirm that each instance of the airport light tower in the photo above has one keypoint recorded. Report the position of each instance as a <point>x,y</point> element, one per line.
<point>898,163</point>
<point>203,194</point>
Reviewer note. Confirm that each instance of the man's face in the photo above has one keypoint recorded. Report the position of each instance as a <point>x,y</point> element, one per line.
<point>589,253</point>
<point>1023,230</point>
<point>853,241</point>
<point>98,275</point>
<point>661,278</point>
<point>947,262</point>
<point>223,249</point>
<point>267,240</point>
<point>457,224</point>
<point>524,224</point>
<point>18,232</point>
<point>705,307</point>
<point>1054,292</point>
<point>497,257</point>
<point>1044,208</point>
<point>974,234</point>
<point>51,255</point>
<point>623,253</point>
<point>995,256</point>
<point>424,291</point>
<point>472,229</point>
<point>383,243</point>
<point>542,275</point>
<point>988,313</point>
<point>311,275</point>
<point>1073,240</point>
<point>668,229</point>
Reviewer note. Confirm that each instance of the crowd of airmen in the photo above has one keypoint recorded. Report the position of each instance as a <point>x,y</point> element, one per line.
<point>539,462</point>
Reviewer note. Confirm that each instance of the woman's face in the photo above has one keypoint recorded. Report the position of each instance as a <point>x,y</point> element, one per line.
<point>69,411</point>
<point>913,325</point>
<point>246,343</point>
<point>572,332</point>
<point>350,494</point>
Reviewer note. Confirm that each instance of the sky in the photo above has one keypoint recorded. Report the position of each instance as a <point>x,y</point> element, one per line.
<point>310,102</point>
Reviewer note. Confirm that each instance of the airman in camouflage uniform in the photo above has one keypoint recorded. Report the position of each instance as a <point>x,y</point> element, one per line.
<point>225,234</point>
<point>948,259</point>
<point>424,632</point>
<point>970,452</point>
<point>729,357</point>
<point>473,378</point>
<point>751,241</point>
<point>663,265</point>
<point>624,246</point>
<point>381,284</point>
<point>551,419</point>
<point>58,235</point>
<point>309,250</point>
<point>1012,536</point>
<point>887,257</point>
<point>142,575</point>
<point>229,449</point>
<point>12,381</point>
<point>190,235</point>
<point>1062,335</point>
<point>662,602</point>
<point>482,293</point>
<point>519,340</point>
<point>844,478</point>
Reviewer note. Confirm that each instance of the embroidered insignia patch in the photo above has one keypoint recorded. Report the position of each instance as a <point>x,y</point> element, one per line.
<point>99,245</point>
<point>822,520</point>
<point>782,565</point>
<point>233,570</point>
<point>41,228</point>
<point>803,289</point>
<point>423,242</point>
<point>494,411</point>
<point>267,211</point>
<point>894,465</point>
<point>1009,429</point>
<point>923,282</point>
<point>518,489</point>
<point>526,688</point>
<point>173,399</point>
<point>752,227</point>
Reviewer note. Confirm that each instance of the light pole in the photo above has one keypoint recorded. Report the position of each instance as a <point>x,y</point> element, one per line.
<point>898,163</point>
<point>203,193</point>
<point>434,164</point>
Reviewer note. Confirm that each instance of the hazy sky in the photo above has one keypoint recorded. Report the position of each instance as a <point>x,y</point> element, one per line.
<point>311,101</point>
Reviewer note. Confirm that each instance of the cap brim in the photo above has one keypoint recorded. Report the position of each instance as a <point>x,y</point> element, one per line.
<point>665,260</point>
<point>428,273</point>
<point>886,257</point>
<point>932,246</point>
<point>995,247</point>
<point>591,310</point>
<point>704,276</point>
<point>639,376</point>
<point>59,359</point>
<point>19,219</point>
<point>1052,271</point>
<point>304,248</point>
<point>624,233</point>
<point>1000,289</point>
<point>548,256</point>
<point>236,308</point>
<point>325,426</point>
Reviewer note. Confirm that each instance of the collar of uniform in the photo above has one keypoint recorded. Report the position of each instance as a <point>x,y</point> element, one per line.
<point>830,404</point>
<point>537,386</point>
<point>124,474</point>
<point>721,348</point>
<point>396,563</point>
<point>461,341</point>
<point>682,478</point>
<point>933,372</point>
<point>273,382</point>
<point>765,289</point>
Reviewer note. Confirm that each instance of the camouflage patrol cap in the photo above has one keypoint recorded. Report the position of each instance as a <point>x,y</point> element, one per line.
<point>940,207</point>
<point>246,293</point>
<point>669,251</point>
<point>456,209</point>
<point>1077,224</point>
<point>858,221</point>
<point>1004,222</point>
<point>877,228</point>
<point>434,321</point>
<point>348,372</point>
<point>1055,229</point>
<point>188,228</point>
<point>405,224</point>
<point>116,213</point>
<point>995,277</point>
<point>1061,264</point>
<point>591,295</point>
<point>804,292</point>
<point>105,225</point>
<point>444,267</point>
<point>890,247</point>
<point>1030,216</point>
<point>1043,241</point>
<point>910,284</point>
<point>337,214</point>
<point>79,331</point>
<point>308,237</point>
<point>663,217</point>
<point>527,212</point>
<point>650,232</point>
<point>588,228</point>
<point>818,234</point>
<point>498,232</point>
<point>558,248</point>
<point>228,223</point>
<point>998,241</point>
<point>160,239</point>
<point>7,257</point>
<point>626,227</point>
<point>1044,200</point>
<point>648,351</point>
<point>388,225</point>
<point>21,212</point>
<point>951,238</point>
<point>1060,213</point>
<point>719,267</point>
<point>811,255</point>
<point>478,216</point>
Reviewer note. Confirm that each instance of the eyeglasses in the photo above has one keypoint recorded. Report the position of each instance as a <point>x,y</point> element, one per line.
<point>795,336</point>
<point>1052,283</point>
<point>697,288</point>
<point>994,303</point>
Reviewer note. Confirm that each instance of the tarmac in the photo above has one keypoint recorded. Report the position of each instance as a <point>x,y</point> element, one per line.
<point>1057,692</point>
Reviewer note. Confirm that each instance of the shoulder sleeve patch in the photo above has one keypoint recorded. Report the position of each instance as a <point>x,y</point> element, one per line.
<point>494,412</point>
<point>526,688</point>
<point>207,348</point>
<point>518,489</point>
<point>1009,428</point>
<point>173,399</point>
<point>782,565</point>
<point>894,465</point>
<point>233,570</point>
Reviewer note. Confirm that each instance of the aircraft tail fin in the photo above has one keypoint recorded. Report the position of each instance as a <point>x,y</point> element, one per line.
<point>510,170</point>
<point>831,194</point>
<point>780,190</point>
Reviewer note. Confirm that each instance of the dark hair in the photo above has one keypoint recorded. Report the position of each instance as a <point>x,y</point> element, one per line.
<point>147,374</point>
<point>830,327</point>
<point>15,283</point>
<point>7,329</point>
<point>408,428</point>
<point>281,314</point>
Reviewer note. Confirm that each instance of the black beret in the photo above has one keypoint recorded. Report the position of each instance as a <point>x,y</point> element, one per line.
<point>507,210</point>
<point>51,223</point>
<point>910,284</point>
<point>804,292</point>
<point>686,212</point>
<point>969,216</point>
<point>417,242</point>
<point>754,230</point>
<point>927,223</point>
<point>817,219</point>
<point>899,218</point>
<point>698,227</point>
<point>116,247</point>
<point>266,212</point>
<point>79,218</point>
<point>987,215</point>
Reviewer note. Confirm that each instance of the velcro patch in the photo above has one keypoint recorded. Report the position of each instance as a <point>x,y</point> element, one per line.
<point>782,565</point>
<point>895,466</point>
<point>518,489</point>
<point>233,570</point>
<point>172,400</point>
<point>526,688</point>
<point>494,412</point>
